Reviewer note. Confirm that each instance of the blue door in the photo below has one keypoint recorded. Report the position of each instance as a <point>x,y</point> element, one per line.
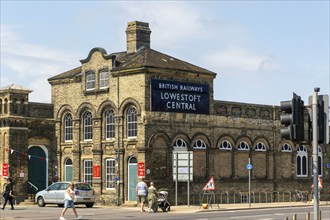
<point>37,167</point>
<point>132,178</point>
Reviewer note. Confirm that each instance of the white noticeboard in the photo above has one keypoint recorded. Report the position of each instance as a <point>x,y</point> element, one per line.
<point>183,163</point>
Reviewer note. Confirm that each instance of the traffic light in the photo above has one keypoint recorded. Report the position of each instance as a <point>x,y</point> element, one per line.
<point>322,119</point>
<point>293,119</point>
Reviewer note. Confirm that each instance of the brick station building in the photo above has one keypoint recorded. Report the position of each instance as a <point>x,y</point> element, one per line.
<point>142,107</point>
<point>27,142</point>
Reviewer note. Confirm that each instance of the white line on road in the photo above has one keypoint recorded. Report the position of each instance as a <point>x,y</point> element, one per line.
<point>251,216</point>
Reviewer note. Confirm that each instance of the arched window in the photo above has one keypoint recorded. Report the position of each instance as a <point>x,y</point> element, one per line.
<point>14,106</point>
<point>68,170</point>
<point>90,81</point>
<point>0,106</point>
<point>23,108</point>
<point>68,127</point>
<point>320,161</point>
<point>199,144</point>
<point>286,148</point>
<point>88,126</point>
<point>243,146</point>
<point>131,122</point>
<point>302,163</point>
<point>109,124</point>
<point>5,107</point>
<point>225,145</point>
<point>260,147</point>
<point>180,144</point>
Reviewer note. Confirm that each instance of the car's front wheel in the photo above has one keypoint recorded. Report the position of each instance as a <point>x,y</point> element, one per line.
<point>41,201</point>
<point>89,205</point>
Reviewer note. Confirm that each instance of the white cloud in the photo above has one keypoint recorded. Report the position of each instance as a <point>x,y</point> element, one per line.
<point>241,60</point>
<point>31,64</point>
<point>13,44</point>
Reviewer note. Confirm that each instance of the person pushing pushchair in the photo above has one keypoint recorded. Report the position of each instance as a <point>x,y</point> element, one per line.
<point>152,198</point>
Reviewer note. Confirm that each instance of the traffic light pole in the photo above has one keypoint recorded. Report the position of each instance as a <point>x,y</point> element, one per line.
<point>315,153</point>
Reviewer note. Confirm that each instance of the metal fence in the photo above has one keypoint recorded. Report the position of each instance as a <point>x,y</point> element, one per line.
<point>236,197</point>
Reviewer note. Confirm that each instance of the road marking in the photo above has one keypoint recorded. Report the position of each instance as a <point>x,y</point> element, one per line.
<point>252,216</point>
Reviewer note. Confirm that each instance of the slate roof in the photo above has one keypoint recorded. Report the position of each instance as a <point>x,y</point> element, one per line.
<point>149,58</point>
<point>144,58</point>
<point>67,74</point>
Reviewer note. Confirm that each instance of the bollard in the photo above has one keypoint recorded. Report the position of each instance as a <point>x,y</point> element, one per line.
<point>308,216</point>
<point>320,215</point>
<point>294,217</point>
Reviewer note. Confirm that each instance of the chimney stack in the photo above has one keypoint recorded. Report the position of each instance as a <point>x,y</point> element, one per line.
<point>137,36</point>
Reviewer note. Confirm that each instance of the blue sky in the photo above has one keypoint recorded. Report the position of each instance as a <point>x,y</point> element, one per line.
<point>262,51</point>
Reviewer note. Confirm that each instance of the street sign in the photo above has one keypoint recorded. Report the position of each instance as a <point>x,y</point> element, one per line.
<point>210,185</point>
<point>184,161</point>
<point>249,166</point>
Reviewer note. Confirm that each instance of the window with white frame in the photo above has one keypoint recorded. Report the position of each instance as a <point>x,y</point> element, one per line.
<point>88,126</point>
<point>225,145</point>
<point>199,144</point>
<point>88,172</point>
<point>302,163</point>
<point>179,143</point>
<point>109,124</point>
<point>320,161</point>
<point>68,170</point>
<point>286,148</point>
<point>104,79</point>
<point>90,81</point>
<point>110,173</point>
<point>68,127</point>
<point>131,122</point>
<point>260,147</point>
<point>243,146</point>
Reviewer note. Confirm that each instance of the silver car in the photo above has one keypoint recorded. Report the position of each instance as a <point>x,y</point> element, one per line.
<point>54,194</point>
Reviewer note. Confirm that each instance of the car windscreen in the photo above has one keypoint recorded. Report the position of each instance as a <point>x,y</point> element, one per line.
<point>83,186</point>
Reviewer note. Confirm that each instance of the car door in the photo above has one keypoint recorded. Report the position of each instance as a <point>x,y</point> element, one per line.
<point>50,194</point>
<point>60,193</point>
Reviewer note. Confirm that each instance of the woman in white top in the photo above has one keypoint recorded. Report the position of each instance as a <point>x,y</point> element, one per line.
<point>69,201</point>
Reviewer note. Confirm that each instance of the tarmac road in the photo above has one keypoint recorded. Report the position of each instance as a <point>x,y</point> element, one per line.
<point>179,213</point>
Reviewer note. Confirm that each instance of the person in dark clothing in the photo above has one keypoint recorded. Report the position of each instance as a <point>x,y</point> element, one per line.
<point>8,194</point>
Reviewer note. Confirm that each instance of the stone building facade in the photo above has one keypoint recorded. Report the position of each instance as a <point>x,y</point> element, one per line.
<point>27,141</point>
<point>142,107</point>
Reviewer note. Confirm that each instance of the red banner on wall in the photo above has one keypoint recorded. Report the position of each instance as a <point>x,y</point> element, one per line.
<point>96,171</point>
<point>5,170</point>
<point>141,172</point>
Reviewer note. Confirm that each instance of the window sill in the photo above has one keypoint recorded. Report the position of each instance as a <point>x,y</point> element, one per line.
<point>96,91</point>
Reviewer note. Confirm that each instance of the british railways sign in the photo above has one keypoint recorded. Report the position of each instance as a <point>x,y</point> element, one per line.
<point>176,96</point>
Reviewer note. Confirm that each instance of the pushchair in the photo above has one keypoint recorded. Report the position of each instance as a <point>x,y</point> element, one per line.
<point>163,202</point>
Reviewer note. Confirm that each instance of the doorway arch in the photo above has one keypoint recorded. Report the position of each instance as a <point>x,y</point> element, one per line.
<point>132,178</point>
<point>38,166</point>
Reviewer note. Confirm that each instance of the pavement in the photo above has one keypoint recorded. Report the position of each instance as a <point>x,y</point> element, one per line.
<point>241,206</point>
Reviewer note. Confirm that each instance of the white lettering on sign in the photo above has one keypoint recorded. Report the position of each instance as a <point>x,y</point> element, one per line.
<point>172,86</point>
<point>191,88</point>
<point>168,86</point>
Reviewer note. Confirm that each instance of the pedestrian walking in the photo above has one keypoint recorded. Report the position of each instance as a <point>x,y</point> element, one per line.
<point>141,192</point>
<point>8,194</point>
<point>152,198</point>
<point>69,197</point>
